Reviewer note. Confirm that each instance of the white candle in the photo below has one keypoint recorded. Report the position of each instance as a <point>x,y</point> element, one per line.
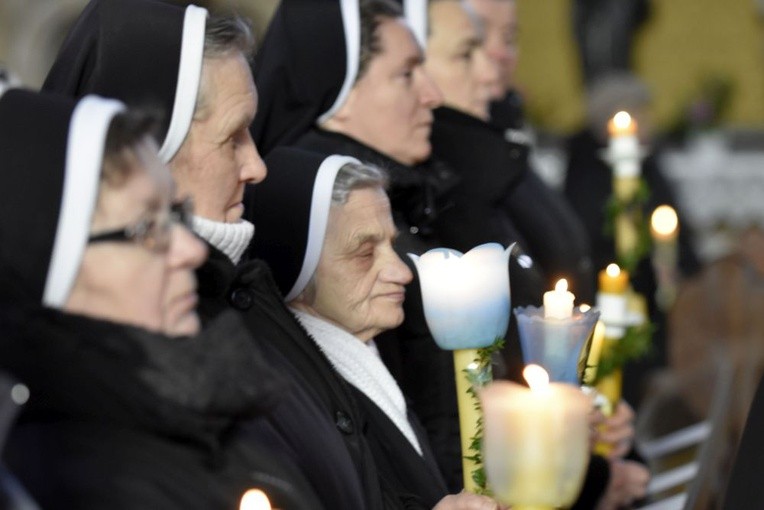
<point>624,145</point>
<point>558,303</point>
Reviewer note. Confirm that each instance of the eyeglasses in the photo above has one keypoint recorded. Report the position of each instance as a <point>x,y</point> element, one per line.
<point>153,231</point>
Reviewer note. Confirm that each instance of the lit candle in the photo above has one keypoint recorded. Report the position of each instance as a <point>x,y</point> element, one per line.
<point>558,303</point>
<point>254,499</point>
<point>613,280</point>
<point>536,441</point>
<point>664,226</point>
<point>595,352</point>
<point>664,223</point>
<point>624,145</point>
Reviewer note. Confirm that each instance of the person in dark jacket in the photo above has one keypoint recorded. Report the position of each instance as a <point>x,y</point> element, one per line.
<point>375,106</point>
<point>202,82</point>
<point>119,414</point>
<point>333,259</point>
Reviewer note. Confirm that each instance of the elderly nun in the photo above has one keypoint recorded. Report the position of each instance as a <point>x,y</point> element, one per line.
<point>331,251</point>
<point>120,415</point>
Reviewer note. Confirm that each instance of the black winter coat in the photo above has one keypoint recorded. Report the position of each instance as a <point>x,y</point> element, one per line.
<point>319,421</point>
<point>122,418</point>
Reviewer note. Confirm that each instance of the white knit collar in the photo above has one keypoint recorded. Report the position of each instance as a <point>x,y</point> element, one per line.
<point>359,364</point>
<point>230,238</point>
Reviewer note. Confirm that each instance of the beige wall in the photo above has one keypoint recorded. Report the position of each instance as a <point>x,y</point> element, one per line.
<point>684,40</point>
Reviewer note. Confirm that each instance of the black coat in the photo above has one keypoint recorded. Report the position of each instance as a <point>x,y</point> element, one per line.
<point>416,478</point>
<point>500,198</point>
<point>122,418</point>
<point>319,422</point>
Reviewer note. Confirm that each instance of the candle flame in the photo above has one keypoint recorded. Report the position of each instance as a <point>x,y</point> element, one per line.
<point>622,120</point>
<point>664,220</point>
<point>254,499</point>
<point>613,270</point>
<point>584,308</point>
<point>536,377</point>
<point>561,285</point>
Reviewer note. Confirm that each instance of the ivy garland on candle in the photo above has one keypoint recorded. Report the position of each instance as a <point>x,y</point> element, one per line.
<point>478,376</point>
<point>634,208</point>
<point>635,343</point>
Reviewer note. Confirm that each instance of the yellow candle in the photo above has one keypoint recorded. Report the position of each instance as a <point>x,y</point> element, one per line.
<point>254,499</point>
<point>613,280</point>
<point>558,303</point>
<point>595,352</point>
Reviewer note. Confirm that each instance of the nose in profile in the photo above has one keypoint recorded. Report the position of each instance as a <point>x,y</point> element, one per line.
<point>253,169</point>
<point>396,271</point>
<point>429,93</point>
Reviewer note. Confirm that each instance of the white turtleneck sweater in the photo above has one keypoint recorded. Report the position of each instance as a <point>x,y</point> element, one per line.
<point>230,238</point>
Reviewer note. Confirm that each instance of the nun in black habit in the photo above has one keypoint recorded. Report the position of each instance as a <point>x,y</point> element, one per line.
<point>114,50</point>
<point>118,414</point>
<point>326,108</point>
<point>345,294</point>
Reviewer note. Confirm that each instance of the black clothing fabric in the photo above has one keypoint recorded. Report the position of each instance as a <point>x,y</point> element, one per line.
<point>26,119</point>
<point>743,490</point>
<point>416,478</point>
<point>126,49</point>
<point>501,199</point>
<point>319,421</point>
<point>123,418</point>
<point>295,80</point>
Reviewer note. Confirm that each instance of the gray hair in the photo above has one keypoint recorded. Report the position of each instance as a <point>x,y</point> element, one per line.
<point>353,176</point>
<point>226,34</point>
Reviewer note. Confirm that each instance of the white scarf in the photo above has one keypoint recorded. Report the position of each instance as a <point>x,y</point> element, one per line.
<point>230,238</point>
<point>359,364</point>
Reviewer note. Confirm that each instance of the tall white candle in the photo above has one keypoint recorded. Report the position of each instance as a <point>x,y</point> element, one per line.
<point>558,303</point>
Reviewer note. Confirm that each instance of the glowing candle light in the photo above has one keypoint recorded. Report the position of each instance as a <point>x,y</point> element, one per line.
<point>536,441</point>
<point>558,303</point>
<point>254,499</point>
<point>664,223</point>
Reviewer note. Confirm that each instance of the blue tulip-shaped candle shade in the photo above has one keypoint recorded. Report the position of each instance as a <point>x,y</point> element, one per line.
<point>466,304</point>
<point>554,343</point>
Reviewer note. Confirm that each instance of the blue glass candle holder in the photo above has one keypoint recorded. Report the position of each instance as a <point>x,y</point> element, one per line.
<point>555,344</point>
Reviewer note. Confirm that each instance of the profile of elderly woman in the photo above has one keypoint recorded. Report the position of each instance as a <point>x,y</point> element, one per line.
<point>332,255</point>
<point>118,416</point>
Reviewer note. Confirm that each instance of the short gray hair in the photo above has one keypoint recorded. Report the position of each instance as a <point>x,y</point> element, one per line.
<point>353,176</point>
<point>226,34</point>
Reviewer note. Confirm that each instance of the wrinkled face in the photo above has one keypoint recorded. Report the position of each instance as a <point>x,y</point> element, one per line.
<point>390,107</point>
<point>500,19</point>
<point>457,61</point>
<point>126,280</point>
<point>218,156</point>
<point>359,282</point>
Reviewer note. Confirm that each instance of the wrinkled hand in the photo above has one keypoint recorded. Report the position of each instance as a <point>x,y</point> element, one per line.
<point>618,431</point>
<point>628,483</point>
<point>467,501</point>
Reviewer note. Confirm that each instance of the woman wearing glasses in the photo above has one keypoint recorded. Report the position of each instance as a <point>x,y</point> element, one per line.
<point>119,415</point>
